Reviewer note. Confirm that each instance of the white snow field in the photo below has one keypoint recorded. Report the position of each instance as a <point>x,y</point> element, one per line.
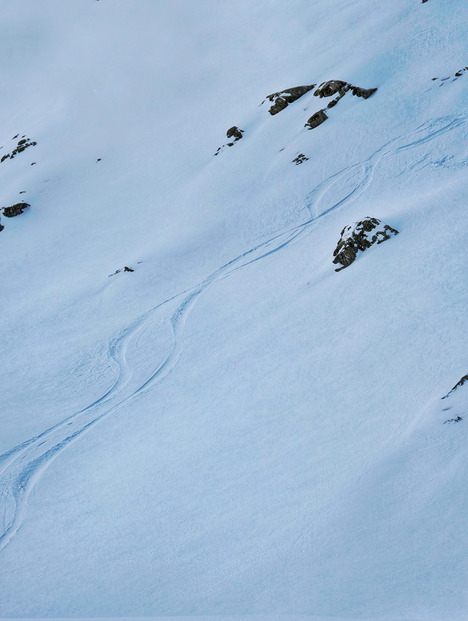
<point>233,428</point>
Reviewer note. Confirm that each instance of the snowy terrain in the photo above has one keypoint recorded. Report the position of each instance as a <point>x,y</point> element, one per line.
<point>233,427</point>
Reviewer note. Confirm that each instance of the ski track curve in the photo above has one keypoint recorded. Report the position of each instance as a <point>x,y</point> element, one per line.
<point>22,466</point>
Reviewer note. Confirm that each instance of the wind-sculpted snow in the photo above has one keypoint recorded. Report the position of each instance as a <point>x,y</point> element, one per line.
<point>22,466</point>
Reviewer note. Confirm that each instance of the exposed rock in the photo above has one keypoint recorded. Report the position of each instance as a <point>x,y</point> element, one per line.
<point>330,88</point>
<point>365,93</point>
<point>15,210</point>
<point>234,132</point>
<point>457,385</point>
<point>282,99</point>
<point>359,237</point>
<point>333,102</point>
<point>123,269</point>
<point>22,145</point>
<point>1,227</point>
<point>316,119</point>
<point>458,418</point>
<point>300,159</point>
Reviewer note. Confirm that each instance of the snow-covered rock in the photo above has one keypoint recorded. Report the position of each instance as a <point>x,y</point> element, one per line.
<point>358,237</point>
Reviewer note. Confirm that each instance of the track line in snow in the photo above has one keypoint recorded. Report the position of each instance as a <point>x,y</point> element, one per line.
<point>22,466</point>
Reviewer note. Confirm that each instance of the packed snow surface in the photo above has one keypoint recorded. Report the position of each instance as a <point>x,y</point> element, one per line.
<point>232,428</point>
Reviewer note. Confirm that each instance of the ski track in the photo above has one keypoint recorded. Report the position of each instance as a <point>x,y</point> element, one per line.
<point>22,467</point>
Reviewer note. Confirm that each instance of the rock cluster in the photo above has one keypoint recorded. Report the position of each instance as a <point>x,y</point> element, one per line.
<point>337,89</point>
<point>358,238</point>
<point>457,385</point>
<point>22,145</point>
<point>15,210</point>
<point>300,159</point>
<point>455,76</point>
<point>316,119</point>
<point>234,134</point>
<point>282,99</point>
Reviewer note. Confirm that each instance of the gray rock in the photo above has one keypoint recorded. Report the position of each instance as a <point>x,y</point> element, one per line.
<point>282,99</point>
<point>316,119</point>
<point>457,385</point>
<point>15,210</point>
<point>330,88</point>
<point>300,159</point>
<point>234,132</point>
<point>358,238</point>
<point>365,93</point>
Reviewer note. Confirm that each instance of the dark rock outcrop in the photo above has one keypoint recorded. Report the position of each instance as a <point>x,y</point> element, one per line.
<point>235,133</point>
<point>22,145</point>
<point>333,87</point>
<point>300,159</point>
<point>316,119</point>
<point>358,238</point>
<point>15,210</point>
<point>457,385</point>
<point>365,93</point>
<point>282,99</point>
<point>458,418</point>
<point>330,88</point>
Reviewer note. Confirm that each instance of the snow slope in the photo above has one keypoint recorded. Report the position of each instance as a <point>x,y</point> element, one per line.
<point>233,428</point>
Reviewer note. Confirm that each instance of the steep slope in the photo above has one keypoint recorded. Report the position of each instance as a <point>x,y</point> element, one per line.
<point>233,427</point>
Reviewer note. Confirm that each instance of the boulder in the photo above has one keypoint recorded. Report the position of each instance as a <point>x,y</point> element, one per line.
<point>365,93</point>
<point>316,119</point>
<point>15,210</point>
<point>300,159</point>
<point>234,132</point>
<point>358,238</point>
<point>282,99</point>
<point>330,88</point>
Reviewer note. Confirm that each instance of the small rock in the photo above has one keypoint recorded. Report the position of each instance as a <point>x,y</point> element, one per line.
<point>330,88</point>
<point>300,159</point>
<point>15,210</point>
<point>235,132</point>
<point>363,92</point>
<point>316,119</point>
<point>453,420</point>
<point>457,385</point>
<point>358,238</point>
<point>282,99</point>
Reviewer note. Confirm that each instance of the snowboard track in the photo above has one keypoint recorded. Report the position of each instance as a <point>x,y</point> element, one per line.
<point>22,466</point>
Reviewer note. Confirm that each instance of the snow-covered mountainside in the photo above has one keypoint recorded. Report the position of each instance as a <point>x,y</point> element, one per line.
<point>199,414</point>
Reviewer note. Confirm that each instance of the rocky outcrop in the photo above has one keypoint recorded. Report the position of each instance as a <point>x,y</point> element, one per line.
<point>123,269</point>
<point>15,210</point>
<point>234,134</point>
<point>365,93</point>
<point>22,145</point>
<point>300,159</point>
<point>316,119</point>
<point>282,99</point>
<point>457,385</point>
<point>452,78</point>
<point>358,238</point>
<point>332,87</point>
<point>340,88</point>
